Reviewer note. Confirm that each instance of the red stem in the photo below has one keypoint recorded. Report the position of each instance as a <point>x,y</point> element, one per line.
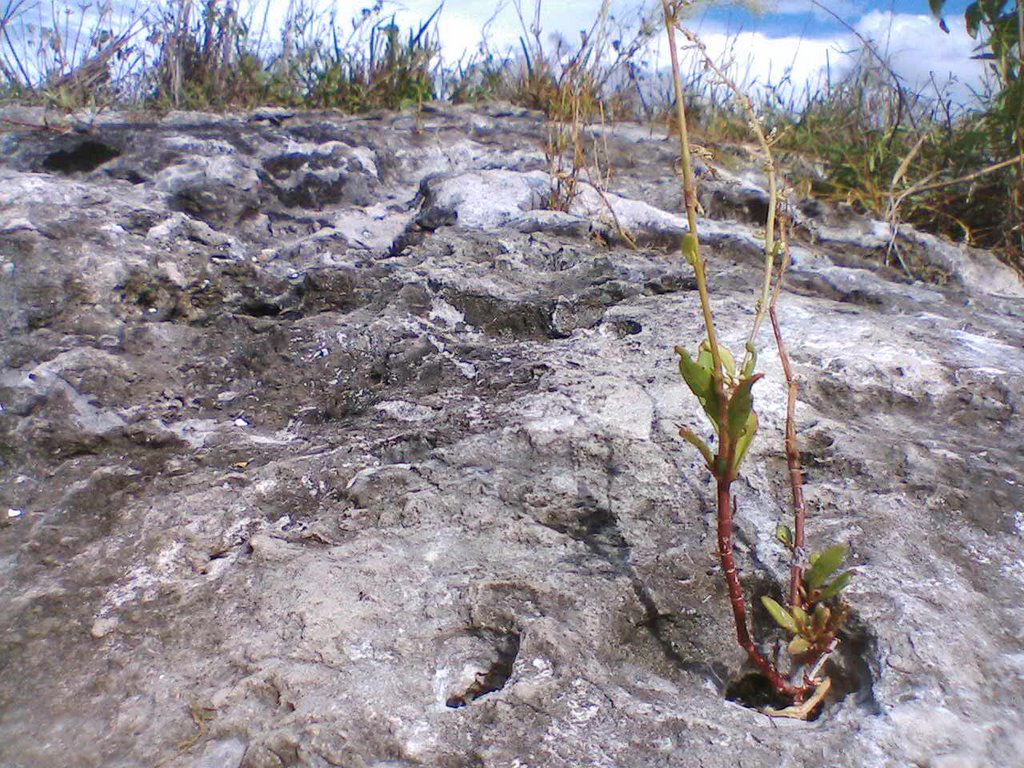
<point>726,507</point>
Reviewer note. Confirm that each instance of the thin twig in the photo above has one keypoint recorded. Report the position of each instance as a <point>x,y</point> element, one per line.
<point>754,123</point>
<point>670,11</point>
<point>895,201</point>
<point>796,482</point>
<point>723,465</point>
<point>916,190</point>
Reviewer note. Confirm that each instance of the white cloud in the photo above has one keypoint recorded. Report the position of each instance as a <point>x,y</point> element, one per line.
<point>918,51</point>
<point>914,45</point>
<point>462,22</point>
<point>755,59</point>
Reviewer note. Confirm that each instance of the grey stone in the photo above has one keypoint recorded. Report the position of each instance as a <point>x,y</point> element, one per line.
<point>481,199</point>
<point>374,462</point>
<point>217,188</point>
<point>226,753</point>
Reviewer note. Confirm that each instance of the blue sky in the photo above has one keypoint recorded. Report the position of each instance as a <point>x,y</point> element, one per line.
<point>903,31</point>
<point>776,18</point>
<point>784,37</point>
<point>787,17</point>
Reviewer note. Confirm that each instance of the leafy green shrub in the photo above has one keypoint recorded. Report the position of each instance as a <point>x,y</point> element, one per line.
<point>378,70</point>
<point>204,58</point>
<point>999,26</point>
<point>203,54</point>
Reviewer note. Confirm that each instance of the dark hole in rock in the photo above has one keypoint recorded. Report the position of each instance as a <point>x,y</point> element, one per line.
<point>595,526</point>
<point>812,208</point>
<point>87,156</point>
<point>853,665</point>
<point>757,209</point>
<point>849,669</point>
<point>745,205</point>
<point>753,690</point>
<point>670,283</point>
<point>626,327</point>
<point>408,239</point>
<point>134,177</point>
<point>505,651</point>
<point>258,308</point>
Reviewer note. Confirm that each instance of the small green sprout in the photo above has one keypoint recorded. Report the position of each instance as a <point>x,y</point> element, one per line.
<point>814,625</point>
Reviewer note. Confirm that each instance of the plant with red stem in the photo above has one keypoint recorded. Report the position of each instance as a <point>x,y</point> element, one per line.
<point>724,389</point>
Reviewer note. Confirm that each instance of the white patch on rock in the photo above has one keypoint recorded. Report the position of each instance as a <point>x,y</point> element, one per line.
<point>635,216</point>
<point>195,146</point>
<point>402,410</point>
<point>986,351</point>
<point>104,626</point>
<point>223,169</point>
<point>224,753</point>
<point>547,420</point>
<point>442,311</point>
<point>180,226</point>
<point>618,407</point>
<point>138,580</point>
<point>373,228</point>
<point>367,158</point>
<point>489,199</point>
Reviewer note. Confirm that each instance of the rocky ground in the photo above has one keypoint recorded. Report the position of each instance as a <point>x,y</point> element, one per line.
<point>323,444</point>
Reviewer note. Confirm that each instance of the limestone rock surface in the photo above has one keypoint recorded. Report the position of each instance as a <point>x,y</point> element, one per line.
<point>323,444</point>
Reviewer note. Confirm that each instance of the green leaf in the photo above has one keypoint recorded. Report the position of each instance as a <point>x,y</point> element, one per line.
<point>992,9</point>
<point>697,377</point>
<point>798,646</point>
<point>784,534</point>
<point>748,368</point>
<point>691,248</point>
<point>821,616</point>
<point>741,405</point>
<point>743,443</point>
<point>824,565</point>
<point>972,19</point>
<point>800,617</point>
<point>701,382</point>
<point>838,585</point>
<point>691,437</point>
<point>704,357</point>
<point>781,616</point>
<point>728,361</point>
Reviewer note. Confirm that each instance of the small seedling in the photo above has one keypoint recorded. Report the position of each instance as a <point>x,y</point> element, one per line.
<point>814,620</point>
